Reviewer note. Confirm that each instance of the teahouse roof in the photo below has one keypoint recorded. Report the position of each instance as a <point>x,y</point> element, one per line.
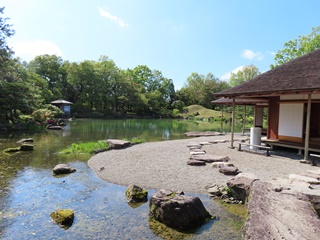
<point>296,76</point>
<point>61,101</point>
<point>252,101</point>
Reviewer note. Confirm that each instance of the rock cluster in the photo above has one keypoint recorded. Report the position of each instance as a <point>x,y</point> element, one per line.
<point>26,145</point>
<point>199,157</point>
<point>177,210</point>
<point>135,194</point>
<point>63,217</point>
<point>118,144</point>
<point>62,169</point>
<point>236,191</point>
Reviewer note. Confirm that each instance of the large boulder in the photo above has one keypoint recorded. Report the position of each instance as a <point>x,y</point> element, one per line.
<point>63,217</point>
<point>26,147</point>
<point>176,210</point>
<point>135,194</point>
<point>280,215</point>
<point>118,144</point>
<point>62,169</point>
<point>240,187</point>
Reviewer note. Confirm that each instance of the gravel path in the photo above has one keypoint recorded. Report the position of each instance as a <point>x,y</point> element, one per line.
<point>163,165</point>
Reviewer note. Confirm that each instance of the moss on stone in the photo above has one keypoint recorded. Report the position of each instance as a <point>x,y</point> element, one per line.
<point>63,217</point>
<point>11,150</point>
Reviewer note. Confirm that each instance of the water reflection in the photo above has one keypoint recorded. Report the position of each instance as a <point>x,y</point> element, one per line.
<point>29,192</point>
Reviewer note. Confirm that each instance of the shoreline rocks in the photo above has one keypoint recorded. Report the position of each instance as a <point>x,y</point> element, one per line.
<point>176,210</point>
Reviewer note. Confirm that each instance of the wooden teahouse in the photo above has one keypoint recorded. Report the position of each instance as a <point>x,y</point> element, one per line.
<point>64,106</point>
<point>292,91</point>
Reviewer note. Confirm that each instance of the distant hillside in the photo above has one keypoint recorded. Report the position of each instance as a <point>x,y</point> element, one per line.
<point>202,112</point>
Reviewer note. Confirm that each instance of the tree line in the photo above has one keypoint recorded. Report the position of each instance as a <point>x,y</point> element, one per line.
<point>97,88</point>
<point>101,89</point>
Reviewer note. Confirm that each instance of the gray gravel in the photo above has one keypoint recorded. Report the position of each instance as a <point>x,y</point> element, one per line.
<point>162,165</point>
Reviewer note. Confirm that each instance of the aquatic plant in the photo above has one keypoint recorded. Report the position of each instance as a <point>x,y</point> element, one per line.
<point>85,147</point>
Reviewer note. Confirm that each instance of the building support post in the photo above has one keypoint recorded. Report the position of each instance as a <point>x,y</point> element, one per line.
<point>221,122</point>
<point>245,116</point>
<point>306,141</point>
<point>232,125</point>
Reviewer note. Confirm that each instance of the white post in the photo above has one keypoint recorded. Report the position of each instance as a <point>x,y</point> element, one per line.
<point>306,142</point>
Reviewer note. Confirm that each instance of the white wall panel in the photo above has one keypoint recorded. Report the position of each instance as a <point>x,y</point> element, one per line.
<point>291,120</point>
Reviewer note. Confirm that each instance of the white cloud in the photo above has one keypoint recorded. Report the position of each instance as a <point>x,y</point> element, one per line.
<point>29,50</point>
<point>251,55</point>
<point>115,19</point>
<point>271,53</point>
<point>226,77</point>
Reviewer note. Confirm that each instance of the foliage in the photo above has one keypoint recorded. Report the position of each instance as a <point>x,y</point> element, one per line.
<point>5,32</point>
<point>243,75</point>
<point>298,47</point>
<point>202,112</point>
<point>85,148</point>
<point>48,111</point>
<point>199,89</point>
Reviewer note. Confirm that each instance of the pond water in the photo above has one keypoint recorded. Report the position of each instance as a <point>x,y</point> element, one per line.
<point>29,192</point>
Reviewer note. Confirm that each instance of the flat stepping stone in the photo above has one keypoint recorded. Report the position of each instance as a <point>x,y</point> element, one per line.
<point>314,171</point>
<point>200,134</point>
<point>229,170</point>
<point>25,140</point>
<point>297,177</point>
<point>312,175</point>
<point>210,158</point>
<point>197,153</point>
<point>197,150</point>
<point>219,141</point>
<point>205,143</point>
<point>118,144</point>
<point>196,163</point>
<point>194,145</point>
<point>221,164</point>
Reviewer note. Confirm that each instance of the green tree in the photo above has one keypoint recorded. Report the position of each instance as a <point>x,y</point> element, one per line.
<point>199,89</point>
<point>247,73</point>
<point>298,47</point>
<point>5,32</point>
<point>49,68</point>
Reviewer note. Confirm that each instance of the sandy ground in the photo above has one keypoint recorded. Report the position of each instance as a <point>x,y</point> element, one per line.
<point>163,165</point>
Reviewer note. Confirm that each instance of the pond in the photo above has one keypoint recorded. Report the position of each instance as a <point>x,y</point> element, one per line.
<point>29,192</point>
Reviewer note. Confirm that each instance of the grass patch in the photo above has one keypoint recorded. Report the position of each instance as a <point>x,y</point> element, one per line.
<point>91,147</point>
<point>202,112</point>
<point>85,147</point>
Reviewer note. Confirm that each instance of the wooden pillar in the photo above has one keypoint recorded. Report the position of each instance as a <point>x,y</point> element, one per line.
<point>221,122</point>
<point>232,125</point>
<point>245,116</point>
<point>306,141</point>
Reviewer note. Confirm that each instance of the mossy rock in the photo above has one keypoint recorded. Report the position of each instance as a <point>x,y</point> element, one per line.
<point>135,194</point>
<point>63,217</point>
<point>11,150</point>
<point>26,147</point>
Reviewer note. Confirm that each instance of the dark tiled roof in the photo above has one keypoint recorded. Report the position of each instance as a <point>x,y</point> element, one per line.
<point>228,101</point>
<point>299,75</point>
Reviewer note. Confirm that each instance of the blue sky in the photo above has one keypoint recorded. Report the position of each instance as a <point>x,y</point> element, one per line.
<point>176,37</point>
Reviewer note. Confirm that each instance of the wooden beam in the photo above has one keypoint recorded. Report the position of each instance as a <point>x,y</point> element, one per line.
<point>306,142</point>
